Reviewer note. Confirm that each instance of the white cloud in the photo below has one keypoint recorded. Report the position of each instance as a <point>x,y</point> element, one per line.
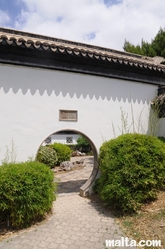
<point>99,22</point>
<point>4,18</point>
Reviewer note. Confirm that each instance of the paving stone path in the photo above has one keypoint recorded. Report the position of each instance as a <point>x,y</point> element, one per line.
<point>76,223</point>
<point>70,182</point>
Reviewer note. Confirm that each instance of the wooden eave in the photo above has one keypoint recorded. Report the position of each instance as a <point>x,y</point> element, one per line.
<point>26,49</point>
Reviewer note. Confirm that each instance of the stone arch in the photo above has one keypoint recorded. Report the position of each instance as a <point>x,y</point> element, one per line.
<point>87,188</point>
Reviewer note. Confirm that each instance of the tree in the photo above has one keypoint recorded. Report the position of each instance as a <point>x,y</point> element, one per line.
<point>155,48</point>
<point>83,145</point>
<point>158,44</point>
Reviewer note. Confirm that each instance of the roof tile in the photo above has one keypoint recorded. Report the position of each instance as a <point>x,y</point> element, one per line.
<point>95,52</point>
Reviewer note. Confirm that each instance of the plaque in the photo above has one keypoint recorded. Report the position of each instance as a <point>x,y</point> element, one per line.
<point>68,115</point>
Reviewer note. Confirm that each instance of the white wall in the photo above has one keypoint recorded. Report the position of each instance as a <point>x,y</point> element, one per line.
<point>30,100</point>
<point>62,138</point>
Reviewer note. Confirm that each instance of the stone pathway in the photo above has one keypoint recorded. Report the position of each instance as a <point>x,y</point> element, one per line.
<point>76,223</point>
<point>70,182</point>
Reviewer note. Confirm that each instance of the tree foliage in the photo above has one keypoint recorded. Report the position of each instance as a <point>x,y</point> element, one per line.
<point>155,48</point>
<point>83,144</point>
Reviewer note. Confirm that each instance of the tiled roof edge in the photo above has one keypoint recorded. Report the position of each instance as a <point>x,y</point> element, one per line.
<point>75,48</point>
<point>63,41</point>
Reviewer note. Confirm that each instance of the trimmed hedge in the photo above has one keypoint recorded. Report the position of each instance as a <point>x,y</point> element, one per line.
<point>63,152</point>
<point>133,170</point>
<point>47,156</point>
<point>27,192</point>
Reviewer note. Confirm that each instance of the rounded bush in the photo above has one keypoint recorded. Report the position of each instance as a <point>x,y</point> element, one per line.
<point>47,156</point>
<point>133,169</point>
<point>63,152</point>
<point>27,192</point>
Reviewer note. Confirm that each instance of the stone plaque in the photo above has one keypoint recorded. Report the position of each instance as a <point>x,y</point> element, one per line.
<point>68,115</point>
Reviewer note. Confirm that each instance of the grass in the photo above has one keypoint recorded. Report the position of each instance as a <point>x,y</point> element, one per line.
<point>148,223</point>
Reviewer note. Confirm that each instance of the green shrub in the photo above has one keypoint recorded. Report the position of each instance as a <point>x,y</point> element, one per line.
<point>133,170</point>
<point>63,152</point>
<point>72,147</point>
<point>96,186</point>
<point>162,139</point>
<point>27,191</point>
<point>47,156</point>
<point>83,145</point>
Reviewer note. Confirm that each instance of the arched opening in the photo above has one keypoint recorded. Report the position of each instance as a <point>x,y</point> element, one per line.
<point>68,137</point>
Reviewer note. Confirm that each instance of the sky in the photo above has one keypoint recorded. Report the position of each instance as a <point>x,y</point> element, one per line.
<point>105,23</point>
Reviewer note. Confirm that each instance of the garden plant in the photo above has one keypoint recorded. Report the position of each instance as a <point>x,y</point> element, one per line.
<point>47,155</point>
<point>132,171</point>
<point>63,152</point>
<point>27,192</point>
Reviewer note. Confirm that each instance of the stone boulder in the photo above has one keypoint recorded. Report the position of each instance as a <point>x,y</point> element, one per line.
<point>77,153</point>
<point>66,166</point>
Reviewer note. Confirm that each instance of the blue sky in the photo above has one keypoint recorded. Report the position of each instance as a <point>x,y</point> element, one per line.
<point>11,7</point>
<point>104,23</point>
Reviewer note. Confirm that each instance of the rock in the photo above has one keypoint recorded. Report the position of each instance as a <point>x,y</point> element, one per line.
<point>67,165</point>
<point>79,161</point>
<point>77,153</point>
<point>82,161</point>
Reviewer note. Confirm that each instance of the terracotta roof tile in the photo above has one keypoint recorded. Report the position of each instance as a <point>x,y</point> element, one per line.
<point>79,49</point>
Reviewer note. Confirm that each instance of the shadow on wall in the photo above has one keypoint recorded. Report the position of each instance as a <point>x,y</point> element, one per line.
<point>48,82</point>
